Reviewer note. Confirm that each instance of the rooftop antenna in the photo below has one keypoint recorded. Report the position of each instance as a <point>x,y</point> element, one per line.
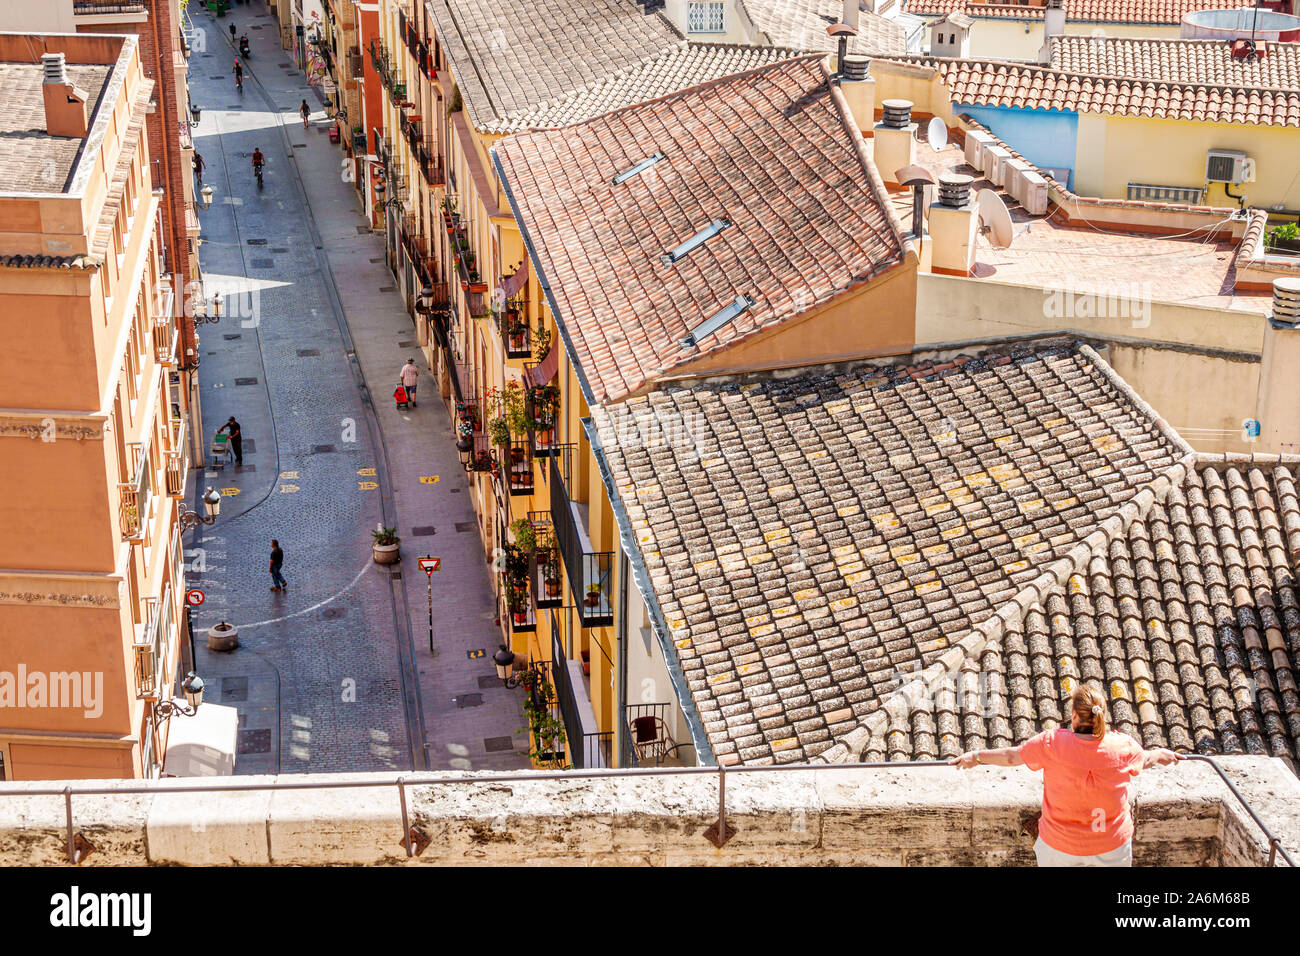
<point>937,134</point>
<point>994,220</point>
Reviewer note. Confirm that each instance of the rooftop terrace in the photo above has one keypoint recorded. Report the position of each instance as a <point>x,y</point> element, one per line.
<point>31,160</point>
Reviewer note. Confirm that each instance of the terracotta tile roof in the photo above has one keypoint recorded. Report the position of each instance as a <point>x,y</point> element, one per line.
<point>1003,83</point>
<point>49,262</point>
<point>802,24</point>
<point>770,150</point>
<point>1188,620</point>
<point>508,58</point>
<point>1096,11</point>
<point>815,538</point>
<point>32,161</point>
<point>681,66</point>
<point>1179,61</point>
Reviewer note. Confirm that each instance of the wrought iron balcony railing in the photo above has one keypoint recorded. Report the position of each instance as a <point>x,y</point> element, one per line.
<point>150,646</point>
<point>516,459</point>
<point>178,458</point>
<point>134,497</point>
<point>166,333</point>
<point>588,748</point>
<point>590,573</point>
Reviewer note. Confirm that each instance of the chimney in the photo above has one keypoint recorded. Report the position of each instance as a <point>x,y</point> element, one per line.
<point>1053,26</point>
<point>953,226</point>
<point>65,105</point>
<point>859,89</point>
<point>1278,401</point>
<point>895,136</point>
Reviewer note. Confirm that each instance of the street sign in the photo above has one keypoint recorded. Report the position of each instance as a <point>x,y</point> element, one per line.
<point>428,479</point>
<point>475,654</point>
<point>428,565</point>
<point>194,597</point>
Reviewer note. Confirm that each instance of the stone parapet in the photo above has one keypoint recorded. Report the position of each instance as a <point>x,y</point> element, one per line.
<point>908,816</point>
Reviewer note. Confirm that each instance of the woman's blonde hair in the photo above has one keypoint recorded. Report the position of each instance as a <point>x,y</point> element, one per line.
<point>1088,703</point>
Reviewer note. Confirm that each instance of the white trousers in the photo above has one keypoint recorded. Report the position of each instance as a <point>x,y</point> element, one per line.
<point>1120,856</point>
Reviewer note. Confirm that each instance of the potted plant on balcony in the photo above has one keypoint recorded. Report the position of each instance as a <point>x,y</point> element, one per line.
<point>544,400</point>
<point>521,529</point>
<point>1284,237</point>
<point>517,600</point>
<point>551,574</point>
<point>514,404</point>
<point>386,545</point>
<point>499,431</point>
<point>593,595</point>
<point>541,337</point>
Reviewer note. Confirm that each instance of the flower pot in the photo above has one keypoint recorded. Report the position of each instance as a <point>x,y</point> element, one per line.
<point>387,553</point>
<point>553,588</point>
<point>592,599</point>
<point>223,637</point>
<point>521,617</point>
<point>546,437</point>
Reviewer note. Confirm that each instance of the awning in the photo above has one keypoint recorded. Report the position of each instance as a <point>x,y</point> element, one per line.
<point>545,370</point>
<point>511,286</point>
<point>202,745</point>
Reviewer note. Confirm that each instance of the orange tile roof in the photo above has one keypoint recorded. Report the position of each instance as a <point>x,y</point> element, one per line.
<point>1003,83</point>
<point>1179,61</point>
<point>1094,11</point>
<point>770,150</point>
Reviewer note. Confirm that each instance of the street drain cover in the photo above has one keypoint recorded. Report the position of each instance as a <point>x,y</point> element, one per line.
<point>306,353</point>
<point>424,531</point>
<point>234,337</point>
<point>498,744</point>
<point>263,263</point>
<point>253,742</point>
<point>468,700</point>
<point>245,381</point>
<point>464,526</point>
<point>257,242</point>
<point>322,449</point>
<point>333,613</point>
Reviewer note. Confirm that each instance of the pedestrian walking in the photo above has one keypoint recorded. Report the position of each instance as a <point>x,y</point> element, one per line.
<point>231,428</point>
<point>408,377</point>
<point>1086,775</point>
<point>278,583</point>
<point>232,31</point>
<point>198,165</point>
<point>305,110</point>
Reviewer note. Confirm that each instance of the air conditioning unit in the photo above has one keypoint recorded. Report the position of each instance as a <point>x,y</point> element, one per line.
<point>1228,166</point>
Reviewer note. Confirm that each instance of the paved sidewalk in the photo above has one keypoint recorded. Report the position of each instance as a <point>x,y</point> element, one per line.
<point>320,374</point>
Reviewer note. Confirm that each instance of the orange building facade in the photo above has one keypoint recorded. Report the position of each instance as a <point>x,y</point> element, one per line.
<point>93,445</point>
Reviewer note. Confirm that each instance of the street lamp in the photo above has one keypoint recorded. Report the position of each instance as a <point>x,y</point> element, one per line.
<point>465,446</point>
<point>505,661</point>
<point>165,710</point>
<point>192,519</point>
<point>206,201</point>
<point>424,301</point>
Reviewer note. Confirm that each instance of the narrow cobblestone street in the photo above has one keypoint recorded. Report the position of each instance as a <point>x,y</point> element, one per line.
<point>336,674</point>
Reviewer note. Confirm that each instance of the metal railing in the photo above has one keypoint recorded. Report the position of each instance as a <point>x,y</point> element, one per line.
<point>134,498</point>
<point>590,573</point>
<point>415,841</point>
<point>178,458</point>
<point>586,749</point>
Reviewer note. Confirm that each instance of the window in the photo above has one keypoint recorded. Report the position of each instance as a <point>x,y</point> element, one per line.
<point>952,38</point>
<point>2,764</point>
<point>704,17</point>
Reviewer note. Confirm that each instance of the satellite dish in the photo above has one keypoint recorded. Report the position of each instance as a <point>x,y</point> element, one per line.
<point>937,134</point>
<point>995,221</point>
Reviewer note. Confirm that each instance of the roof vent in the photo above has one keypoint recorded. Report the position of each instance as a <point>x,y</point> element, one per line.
<point>739,306</point>
<point>1286,303</point>
<point>701,237</point>
<point>65,105</point>
<point>897,113</point>
<point>855,67</point>
<point>637,169</point>
<point>56,70</point>
<point>1055,4</point>
<point>954,189</point>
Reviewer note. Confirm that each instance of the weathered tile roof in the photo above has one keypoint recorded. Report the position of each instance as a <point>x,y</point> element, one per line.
<point>1162,12</point>
<point>802,24</point>
<point>31,160</point>
<point>1188,620</point>
<point>772,151</point>
<point>1178,61</point>
<point>509,57</point>
<point>819,537</point>
<point>679,67</point>
<point>1002,83</point>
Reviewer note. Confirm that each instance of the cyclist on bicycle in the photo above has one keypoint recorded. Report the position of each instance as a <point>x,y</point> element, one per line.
<point>258,160</point>
<point>239,73</point>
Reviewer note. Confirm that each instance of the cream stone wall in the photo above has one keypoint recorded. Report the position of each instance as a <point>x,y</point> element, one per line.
<point>890,816</point>
<point>1198,367</point>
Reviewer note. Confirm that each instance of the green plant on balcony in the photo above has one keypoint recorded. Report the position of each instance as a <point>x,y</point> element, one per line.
<point>593,595</point>
<point>541,341</point>
<point>499,431</point>
<point>546,731</point>
<point>551,572</point>
<point>524,533</point>
<point>514,405</point>
<point>1284,236</point>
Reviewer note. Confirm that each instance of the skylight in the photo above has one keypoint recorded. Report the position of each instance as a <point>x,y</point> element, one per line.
<point>636,170</point>
<point>716,321</point>
<point>701,237</point>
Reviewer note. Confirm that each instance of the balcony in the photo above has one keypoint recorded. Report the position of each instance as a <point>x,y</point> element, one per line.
<point>134,497</point>
<point>512,321</point>
<point>166,334</point>
<point>86,8</point>
<point>356,63</point>
<point>548,586</point>
<point>178,458</point>
<point>590,572</point>
<point>516,459</point>
<point>430,165</point>
<point>152,641</point>
<point>589,747</point>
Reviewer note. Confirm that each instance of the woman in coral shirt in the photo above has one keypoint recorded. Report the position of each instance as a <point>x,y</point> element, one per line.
<point>1086,775</point>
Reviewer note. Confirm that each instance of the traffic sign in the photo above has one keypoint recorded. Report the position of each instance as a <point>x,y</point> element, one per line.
<point>194,597</point>
<point>428,565</point>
